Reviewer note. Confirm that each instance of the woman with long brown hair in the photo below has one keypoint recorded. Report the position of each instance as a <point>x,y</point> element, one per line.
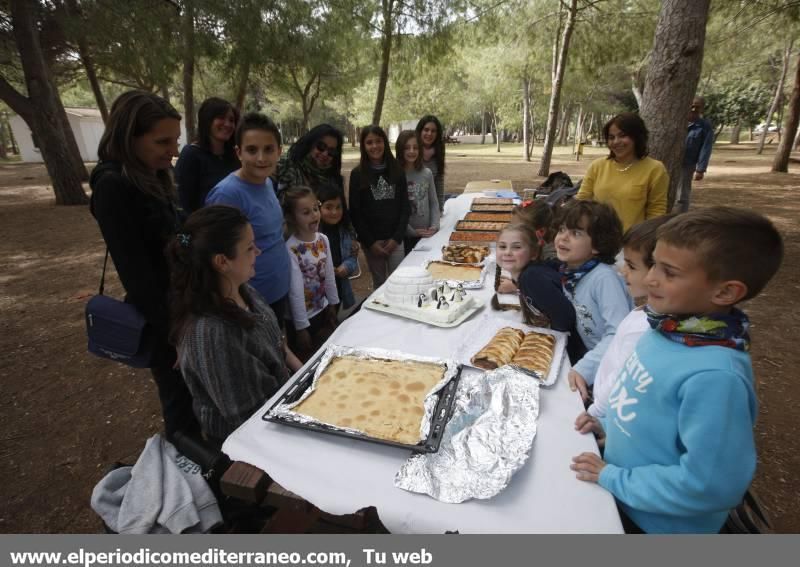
<point>134,202</point>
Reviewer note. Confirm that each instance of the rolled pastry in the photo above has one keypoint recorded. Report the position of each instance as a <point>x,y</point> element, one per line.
<point>500,350</point>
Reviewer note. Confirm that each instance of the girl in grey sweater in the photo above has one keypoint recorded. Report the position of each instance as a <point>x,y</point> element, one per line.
<point>230,348</point>
<point>424,219</point>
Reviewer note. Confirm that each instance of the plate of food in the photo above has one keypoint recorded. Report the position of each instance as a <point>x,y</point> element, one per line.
<point>465,253</point>
<point>490,217</point>
<point>492,342</point>
<point>492,201</point>
<point>376,395</point>
<point>473,236</point>
<point>485,226</point>
<point>494,208</point>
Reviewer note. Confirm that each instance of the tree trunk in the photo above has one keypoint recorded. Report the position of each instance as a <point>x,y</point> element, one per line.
<point>778,94</point>
<point>386,53</point>
<point>555,95</point>
<point>671,82</point>
<point>795,145</point>
<point>241,88</point>
<point>483,127</point>
<point>637,93</point>
<point>781,161</point>
<point>3,141</point>
<point>187,23</point>
<point>496,130</point>
<point>578,129</point>
<point>526,116</point>
<point>736,132</point>
<point>88,63</point>
<point>43,112</point>
<point>164,90</point>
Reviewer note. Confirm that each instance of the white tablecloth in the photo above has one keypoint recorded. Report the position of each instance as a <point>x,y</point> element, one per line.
<point>341,476</point>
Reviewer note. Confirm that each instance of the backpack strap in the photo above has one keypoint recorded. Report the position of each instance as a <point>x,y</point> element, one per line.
<point>103,276</point>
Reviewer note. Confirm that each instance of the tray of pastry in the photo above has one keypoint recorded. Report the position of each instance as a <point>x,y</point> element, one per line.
<point>493,341</point>
<point>375,395</point>
<point>495,208</point>
<point>491,217</point>
<point>470,276</point>
<point>492,201</point>
<point>473,236</point>
<point>464,253</point>
<point>485,226</point>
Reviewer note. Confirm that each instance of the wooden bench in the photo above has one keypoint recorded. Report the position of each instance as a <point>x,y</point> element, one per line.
<point>293,514</point>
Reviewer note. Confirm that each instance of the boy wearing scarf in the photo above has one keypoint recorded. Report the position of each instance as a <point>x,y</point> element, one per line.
<point>679,447</point>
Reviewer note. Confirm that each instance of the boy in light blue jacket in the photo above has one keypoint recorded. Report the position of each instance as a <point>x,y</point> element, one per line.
<point>588,239</point>
<point>678,435</point>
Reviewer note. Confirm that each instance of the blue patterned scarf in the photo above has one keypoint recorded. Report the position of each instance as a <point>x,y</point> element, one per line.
<point>570,277</point>
<point>728,330</point>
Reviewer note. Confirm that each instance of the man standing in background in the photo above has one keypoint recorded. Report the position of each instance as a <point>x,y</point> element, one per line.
<point>699,140</point>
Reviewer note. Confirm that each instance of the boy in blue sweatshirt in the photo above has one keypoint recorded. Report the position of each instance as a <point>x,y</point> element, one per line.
<point>678,435</point>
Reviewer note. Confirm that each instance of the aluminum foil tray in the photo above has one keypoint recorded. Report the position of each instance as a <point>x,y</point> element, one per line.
<point>466,284</point>
<point>438,402</point>
<point>488,439</point>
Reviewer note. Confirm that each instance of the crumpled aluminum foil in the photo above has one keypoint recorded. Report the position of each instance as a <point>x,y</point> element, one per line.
<point>285,411</point>
<point>486,441</point>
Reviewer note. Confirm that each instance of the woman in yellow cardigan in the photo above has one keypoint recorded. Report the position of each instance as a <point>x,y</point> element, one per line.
<point>632,183</point>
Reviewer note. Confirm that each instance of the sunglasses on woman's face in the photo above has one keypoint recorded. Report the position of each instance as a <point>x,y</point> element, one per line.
<point>322,147</point>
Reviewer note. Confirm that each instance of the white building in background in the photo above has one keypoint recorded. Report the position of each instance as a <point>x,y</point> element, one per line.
<point>395,129</point>
<point>87,126</point>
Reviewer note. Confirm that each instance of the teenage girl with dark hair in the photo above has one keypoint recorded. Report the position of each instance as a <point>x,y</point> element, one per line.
<point>205,162</point>
<point>379,204</point>
<point>232,352</point>
<point>431,134</point>
<point>314,159</point>
<point>134,202</point>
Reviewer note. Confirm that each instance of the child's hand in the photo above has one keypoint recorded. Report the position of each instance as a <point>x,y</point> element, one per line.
<point>433,230</point>
<point>377,249</point>
<point>506,286</point>
<point>341,271</point>
<point>355,246</point>
<point>588,467</point>
<point>586,423</point>
<point>576,382</point>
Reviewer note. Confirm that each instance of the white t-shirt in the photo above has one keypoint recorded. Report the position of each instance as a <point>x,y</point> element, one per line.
<point>629,331</point>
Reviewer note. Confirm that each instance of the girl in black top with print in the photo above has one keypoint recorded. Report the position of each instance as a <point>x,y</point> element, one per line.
<point>211,157</point>
<point>134,202</point>
<point>379,204</point>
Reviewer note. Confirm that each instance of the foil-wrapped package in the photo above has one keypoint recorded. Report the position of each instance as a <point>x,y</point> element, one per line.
<point>486,441</point>
<point>286,411</point>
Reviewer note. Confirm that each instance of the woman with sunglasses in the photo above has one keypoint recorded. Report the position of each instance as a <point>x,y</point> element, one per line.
<point>313,160</point>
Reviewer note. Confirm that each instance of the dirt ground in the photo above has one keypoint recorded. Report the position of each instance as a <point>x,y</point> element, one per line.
<point>66,416</point>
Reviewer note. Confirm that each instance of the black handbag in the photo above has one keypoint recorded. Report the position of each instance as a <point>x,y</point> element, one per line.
<point>117,331</point>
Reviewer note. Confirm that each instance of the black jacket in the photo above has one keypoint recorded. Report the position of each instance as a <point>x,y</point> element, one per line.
<point>197,171</point>
<point>136,228</point>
